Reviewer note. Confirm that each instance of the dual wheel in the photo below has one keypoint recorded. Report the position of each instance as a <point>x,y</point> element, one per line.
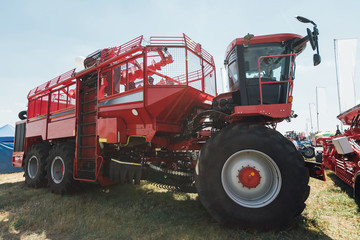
<point>251,176</point>
<point>50,166</point>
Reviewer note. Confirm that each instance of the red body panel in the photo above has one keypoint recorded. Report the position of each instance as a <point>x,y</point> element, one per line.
<point>37,128</point>
<point>347,116</point>
<point>278,111</point>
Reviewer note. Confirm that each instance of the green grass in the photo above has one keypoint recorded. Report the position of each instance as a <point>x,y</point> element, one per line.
<point>146,212</point>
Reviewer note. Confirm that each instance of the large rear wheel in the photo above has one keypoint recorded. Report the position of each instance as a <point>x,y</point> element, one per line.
<point>60,168</point>
<point>34,165</point>
<point>252,176</point>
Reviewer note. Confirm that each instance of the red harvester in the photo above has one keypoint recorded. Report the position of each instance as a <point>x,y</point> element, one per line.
<point>144,110</point>
<point>341,153</point>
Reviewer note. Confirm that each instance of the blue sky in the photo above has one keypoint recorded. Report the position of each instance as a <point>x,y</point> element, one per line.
<point>40,39</point>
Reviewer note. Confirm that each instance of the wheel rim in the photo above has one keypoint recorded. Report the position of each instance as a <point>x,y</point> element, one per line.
<point>309,152</point>
<point>32,167</point>
<point>57,170</point>
<point>251,178</point>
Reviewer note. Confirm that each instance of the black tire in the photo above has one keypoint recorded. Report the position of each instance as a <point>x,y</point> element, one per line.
<point>318,158</point>
<point>310,152</point>
<point>35,166</point>
<point>263,204</point>
<point>22,115</point>
<point>60,168</point>
<point>357,190</point>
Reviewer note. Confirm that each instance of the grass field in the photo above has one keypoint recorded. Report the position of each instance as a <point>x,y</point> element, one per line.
<point>146,212</point>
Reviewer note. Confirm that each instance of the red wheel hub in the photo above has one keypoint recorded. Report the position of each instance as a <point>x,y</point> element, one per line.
<point>249,177</point>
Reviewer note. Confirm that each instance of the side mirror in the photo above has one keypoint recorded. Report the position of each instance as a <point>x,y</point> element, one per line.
<point>317,59</point>
<point>302,19</point>
<point>311,38</point>
<point>305,20</point>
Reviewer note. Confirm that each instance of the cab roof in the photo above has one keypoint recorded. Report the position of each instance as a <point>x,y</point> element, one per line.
<point>273,38</point>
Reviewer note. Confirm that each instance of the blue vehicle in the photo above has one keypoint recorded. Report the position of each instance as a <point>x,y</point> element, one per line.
<point>305,147</point>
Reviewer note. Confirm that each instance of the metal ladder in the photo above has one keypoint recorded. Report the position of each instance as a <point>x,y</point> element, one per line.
<point>86,152</point>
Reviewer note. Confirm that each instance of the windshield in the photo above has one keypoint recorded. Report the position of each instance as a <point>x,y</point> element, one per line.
<point>270,67</point>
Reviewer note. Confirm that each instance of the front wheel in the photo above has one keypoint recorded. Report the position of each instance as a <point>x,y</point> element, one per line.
<point>252,176</point>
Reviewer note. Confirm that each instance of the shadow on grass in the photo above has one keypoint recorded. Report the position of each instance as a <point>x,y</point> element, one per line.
<point>343,186</point>
<point>122,212</point>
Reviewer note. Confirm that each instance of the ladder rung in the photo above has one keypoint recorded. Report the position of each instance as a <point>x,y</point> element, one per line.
<point>88,113</point>
<point>86,124</point>
<point>88,135</point>
<point>86,171</point>
<point>86,158</point>
<point>88,146</point>
<point>90,90</point>
<point>90,101</point>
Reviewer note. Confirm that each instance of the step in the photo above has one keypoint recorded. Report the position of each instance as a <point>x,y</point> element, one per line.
<point>86,174</point>
<point>88,146</point>
<point>90,101</point>
<point>90,81</point>
<point>89,90</point>
<point>87,135</point>
<point>86,158</point>
<point>88,113</point>
<point>87,124</point>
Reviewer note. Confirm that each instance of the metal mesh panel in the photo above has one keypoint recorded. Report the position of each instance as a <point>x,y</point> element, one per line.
<point>106,83</point>
<point>135,72</point>
<point>209,79</point>
<point>139,72</point>
<point>31,109</point>
<point>54,101</point>
<point>167,66</point>
<point>194,70</point>
<point>119,79</point>
<point>44,105</point>
<point>72,96</point>
<point>196,47</point>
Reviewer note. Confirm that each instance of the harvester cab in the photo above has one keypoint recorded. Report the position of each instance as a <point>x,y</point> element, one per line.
<point>260,71</point>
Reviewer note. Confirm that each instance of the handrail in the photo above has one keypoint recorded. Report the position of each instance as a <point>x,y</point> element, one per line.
<point>276,82</point>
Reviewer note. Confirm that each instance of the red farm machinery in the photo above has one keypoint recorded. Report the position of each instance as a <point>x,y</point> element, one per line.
<point>150,110</point>
<point>341,153</point>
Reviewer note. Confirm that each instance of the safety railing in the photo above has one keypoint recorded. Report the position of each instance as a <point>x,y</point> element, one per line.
<point>53,82</point>
<point>168,41</point>
<point>109,53</point>
<point>196,48</point>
